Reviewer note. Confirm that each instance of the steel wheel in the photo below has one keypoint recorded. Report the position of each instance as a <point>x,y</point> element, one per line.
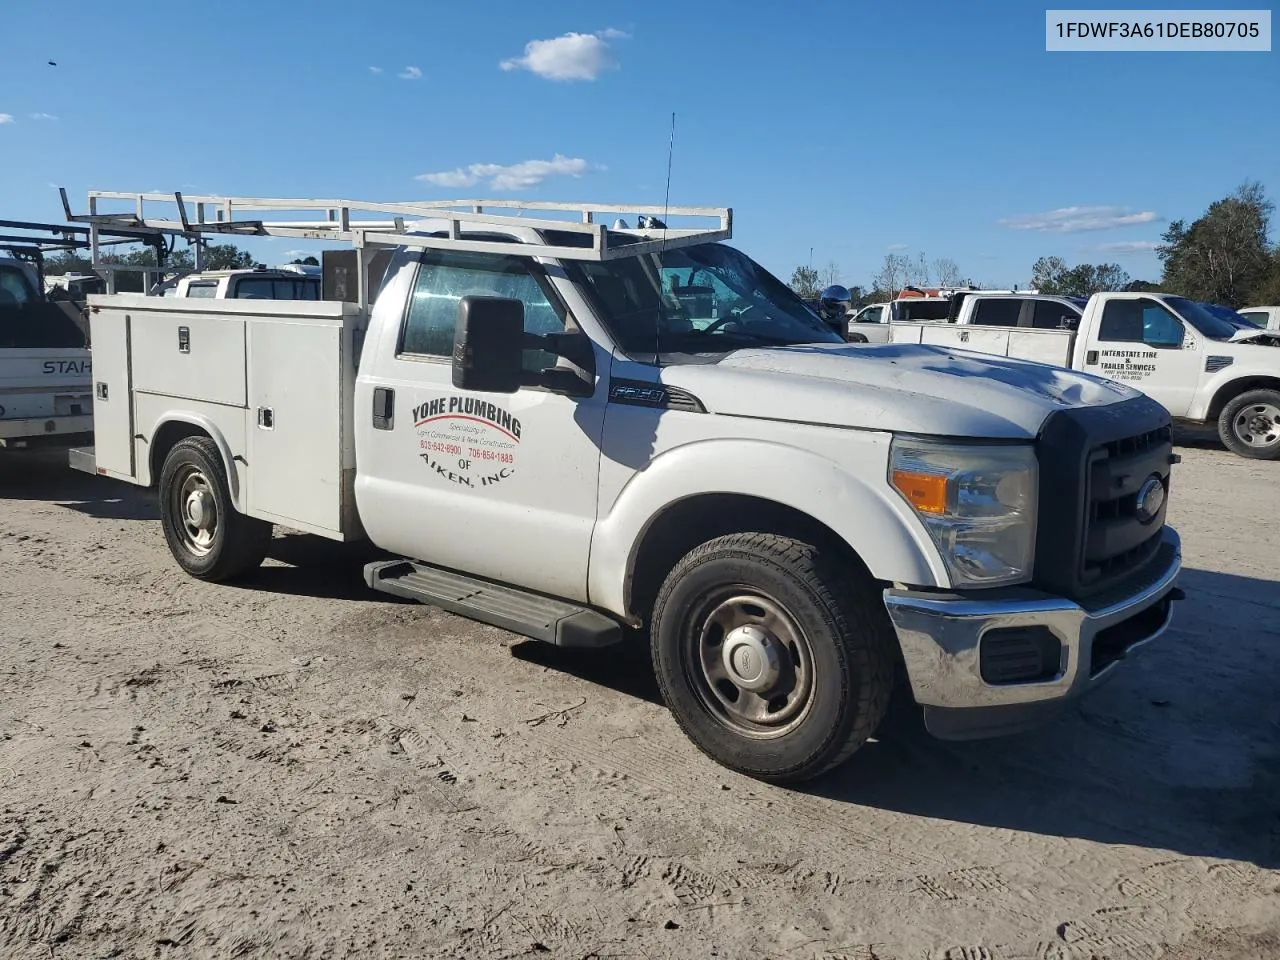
<point>194,505</point>
<point>750,663</point>
<point>1257,425</point>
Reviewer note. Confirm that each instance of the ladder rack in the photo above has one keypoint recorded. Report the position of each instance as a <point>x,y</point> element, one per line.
<point>453,224</point>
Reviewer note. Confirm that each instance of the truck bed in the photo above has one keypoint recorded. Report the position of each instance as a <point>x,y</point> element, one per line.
<point>271,381</point>
<point>1021,343</point>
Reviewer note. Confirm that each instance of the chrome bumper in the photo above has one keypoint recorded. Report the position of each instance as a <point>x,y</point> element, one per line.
<point>941,638</point>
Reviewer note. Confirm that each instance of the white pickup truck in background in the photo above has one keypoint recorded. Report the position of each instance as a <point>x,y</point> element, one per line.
<point>1172,349</point>
<point>557,442</point>
<point>1264,318</point>
<point>291,282</point>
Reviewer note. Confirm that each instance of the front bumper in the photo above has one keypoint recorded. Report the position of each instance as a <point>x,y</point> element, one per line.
<point>942,635</point>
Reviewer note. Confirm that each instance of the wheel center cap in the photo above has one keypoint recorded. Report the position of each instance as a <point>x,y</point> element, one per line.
<point>753,658</point>
<point>200,509</point>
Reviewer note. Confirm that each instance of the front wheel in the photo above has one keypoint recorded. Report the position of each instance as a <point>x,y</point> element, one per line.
<point>208,537</point>
<point>1250,425</point>
<point>774,659</point>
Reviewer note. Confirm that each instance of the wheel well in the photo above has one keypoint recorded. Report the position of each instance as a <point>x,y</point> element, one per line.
<point>1229,391</point>
<point>695,520</point>
<point>165,439</point>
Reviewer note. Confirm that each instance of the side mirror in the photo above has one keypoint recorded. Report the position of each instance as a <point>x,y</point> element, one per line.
<point>488,345</point>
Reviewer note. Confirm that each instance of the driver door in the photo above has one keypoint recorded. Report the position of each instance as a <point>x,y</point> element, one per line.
<point>1141,343</point>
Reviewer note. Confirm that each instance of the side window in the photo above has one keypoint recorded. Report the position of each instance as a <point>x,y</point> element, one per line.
<point>14,289</point>
<point>444,278</point>
<point>1051,315</point>
<point>870,315</point>
<point>254,288</point>
<point>1258,319</point>
<point>997,312</point>
<point>1160,328</point>
<point>207,291</point>
<point>1139,321</point>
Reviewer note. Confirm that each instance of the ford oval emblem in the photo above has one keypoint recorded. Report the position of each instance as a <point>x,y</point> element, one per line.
<point>1150,498</point>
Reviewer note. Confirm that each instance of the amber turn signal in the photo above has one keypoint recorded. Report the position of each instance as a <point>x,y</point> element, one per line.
<point>927,492</point>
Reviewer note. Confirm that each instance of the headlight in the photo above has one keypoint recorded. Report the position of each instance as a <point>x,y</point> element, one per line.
<point>978,504</point>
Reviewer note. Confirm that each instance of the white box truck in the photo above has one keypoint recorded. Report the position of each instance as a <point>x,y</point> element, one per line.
<point>554,441</point>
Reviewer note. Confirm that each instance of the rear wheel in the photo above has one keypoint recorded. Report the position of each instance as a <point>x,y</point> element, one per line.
<point>205,533</point>
<point>774,659</point>
<point>1250,425</point>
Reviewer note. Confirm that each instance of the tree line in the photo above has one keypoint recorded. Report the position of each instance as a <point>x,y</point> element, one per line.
<point>217,256</point>
<point>1225,256</point>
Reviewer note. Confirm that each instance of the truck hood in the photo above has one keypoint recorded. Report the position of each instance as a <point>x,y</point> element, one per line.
<point>907,388</point>
<point>1256,338</point>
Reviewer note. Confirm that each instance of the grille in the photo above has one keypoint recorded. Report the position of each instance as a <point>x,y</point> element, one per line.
<point>1094,462</point>
<point>1117,541</point>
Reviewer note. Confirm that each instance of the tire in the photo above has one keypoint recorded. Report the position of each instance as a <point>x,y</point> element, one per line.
<point>772,595</point>
<point>857,338</point>
<point>208,537</point>
<point>1249,425</point>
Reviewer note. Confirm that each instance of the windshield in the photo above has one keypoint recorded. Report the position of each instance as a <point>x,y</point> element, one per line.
<point>1200,317</point>
<point>1239,321</point>
<point>708,298</point>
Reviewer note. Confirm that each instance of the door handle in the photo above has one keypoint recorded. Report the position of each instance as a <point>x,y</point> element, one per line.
<point>1091,357</point>
<point>384,408</point>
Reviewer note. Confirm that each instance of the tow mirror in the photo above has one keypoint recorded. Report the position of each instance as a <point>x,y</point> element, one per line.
<point>488,344</point>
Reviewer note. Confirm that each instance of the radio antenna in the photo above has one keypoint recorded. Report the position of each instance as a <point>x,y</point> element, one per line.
<point>666,206</point>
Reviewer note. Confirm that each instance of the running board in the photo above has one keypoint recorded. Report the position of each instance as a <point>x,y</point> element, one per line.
<point>541,618</point>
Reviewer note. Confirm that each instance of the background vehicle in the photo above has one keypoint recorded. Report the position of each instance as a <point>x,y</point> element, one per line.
<point>282,283</point>
<point>559,438</point>
<point>1265,318</point>
<point>1173,349</point>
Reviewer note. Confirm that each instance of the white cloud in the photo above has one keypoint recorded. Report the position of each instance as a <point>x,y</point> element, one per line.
<point>1128,246</point>
<point>574,56</point>
<point>375,70</point>
<point>299,254</point>
<point>43,116</point>
<point>898,246</point>
<point>6,118</point>
<point>1079,219</point>
<point>410,73</point>
<point>516,176</point>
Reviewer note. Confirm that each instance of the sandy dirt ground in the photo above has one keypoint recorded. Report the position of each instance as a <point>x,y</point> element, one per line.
<point>298,767</point>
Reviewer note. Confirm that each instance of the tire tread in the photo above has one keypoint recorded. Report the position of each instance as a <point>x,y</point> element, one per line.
<point>853,613</point>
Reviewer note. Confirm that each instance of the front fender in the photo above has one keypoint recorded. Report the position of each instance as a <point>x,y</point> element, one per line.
<point>215,433</point>
<point>1213,386</point>
<point>862,510</point>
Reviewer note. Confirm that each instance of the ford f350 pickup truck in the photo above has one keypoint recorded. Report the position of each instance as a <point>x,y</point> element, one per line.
<point>556,442</point>
<point>1175,350</point>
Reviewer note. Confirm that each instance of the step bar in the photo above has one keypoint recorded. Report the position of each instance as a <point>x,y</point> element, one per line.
<point>557,622</point>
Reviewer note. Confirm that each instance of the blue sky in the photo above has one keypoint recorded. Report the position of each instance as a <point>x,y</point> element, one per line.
<point>851,128</point>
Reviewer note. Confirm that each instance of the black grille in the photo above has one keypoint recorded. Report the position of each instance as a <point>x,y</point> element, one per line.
<point>1094,462</point>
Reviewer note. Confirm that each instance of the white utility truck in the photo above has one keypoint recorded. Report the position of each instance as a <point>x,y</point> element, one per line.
<point>44,364</point>
<point>1172,349</point>
<point>45,378</point>
<point>556,441</point>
